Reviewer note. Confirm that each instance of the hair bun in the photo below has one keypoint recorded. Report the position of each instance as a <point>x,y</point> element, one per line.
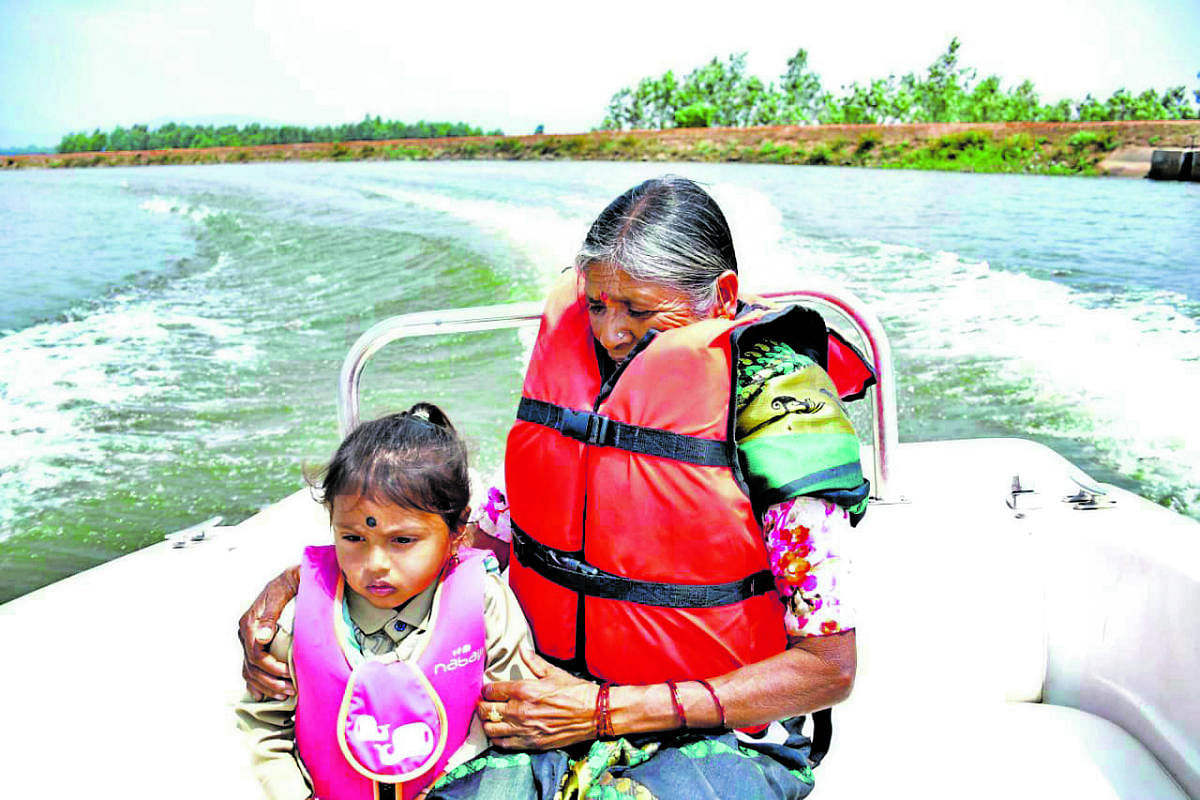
<point>428,412</point>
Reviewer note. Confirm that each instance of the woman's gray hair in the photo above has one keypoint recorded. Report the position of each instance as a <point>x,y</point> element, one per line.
<point>666,231</point>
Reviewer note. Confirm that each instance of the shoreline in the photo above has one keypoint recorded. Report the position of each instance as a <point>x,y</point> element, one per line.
<point>1117,149</point>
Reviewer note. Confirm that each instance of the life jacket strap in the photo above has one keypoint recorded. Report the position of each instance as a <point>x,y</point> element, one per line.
<point>596,429</point>
<point>822,735</point>
<point>569,570</point>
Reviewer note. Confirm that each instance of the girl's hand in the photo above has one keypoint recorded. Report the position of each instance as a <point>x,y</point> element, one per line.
<point>553,711</point>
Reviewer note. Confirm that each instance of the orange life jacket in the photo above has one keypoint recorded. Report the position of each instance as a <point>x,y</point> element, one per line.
<point>637,554</point>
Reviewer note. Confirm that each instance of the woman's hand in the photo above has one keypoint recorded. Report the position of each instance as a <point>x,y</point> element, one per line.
<point>553,711</point>
<point>477,538</point>
<point>265,675</point>
<point>559,709</point>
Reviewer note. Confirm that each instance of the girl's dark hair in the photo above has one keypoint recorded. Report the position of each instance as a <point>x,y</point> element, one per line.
<point>414,459</point>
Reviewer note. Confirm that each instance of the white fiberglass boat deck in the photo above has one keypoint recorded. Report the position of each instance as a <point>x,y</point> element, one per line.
<point>1043,651</point>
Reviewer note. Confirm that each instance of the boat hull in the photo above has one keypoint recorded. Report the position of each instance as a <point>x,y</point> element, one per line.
<point>1038,652</point>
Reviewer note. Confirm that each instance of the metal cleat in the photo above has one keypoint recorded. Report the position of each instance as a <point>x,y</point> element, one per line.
<point>1022,498</point>
<point>192,533</point>
<point>1090,497</point>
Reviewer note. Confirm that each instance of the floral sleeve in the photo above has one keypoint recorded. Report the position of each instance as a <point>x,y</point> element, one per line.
<point>804,537</point>
<point>805,540</point>
<point>492,515</point>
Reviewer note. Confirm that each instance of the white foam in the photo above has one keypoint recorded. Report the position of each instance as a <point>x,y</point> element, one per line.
<point>223,260</point>
<point>158,205</point>
<point>1126,371</point>
<point>244,354</point>
<point>62,378</point>
<point>221,330</point>
<point>758,230</point>
<point>549,238</point>
<point>171,205</point>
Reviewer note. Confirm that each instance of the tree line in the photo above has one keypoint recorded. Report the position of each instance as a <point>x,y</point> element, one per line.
<point>175,136</point>
<point>720,93</point>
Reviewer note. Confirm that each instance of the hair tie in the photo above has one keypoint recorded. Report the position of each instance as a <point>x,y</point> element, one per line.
<point>421,416</point>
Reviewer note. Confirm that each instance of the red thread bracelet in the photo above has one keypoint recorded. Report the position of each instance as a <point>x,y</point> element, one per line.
<point>603,721</point>
<point>675,702</point>
<point>717,700</point>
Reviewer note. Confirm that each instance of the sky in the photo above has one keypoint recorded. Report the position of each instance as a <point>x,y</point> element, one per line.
<point>72,65</point>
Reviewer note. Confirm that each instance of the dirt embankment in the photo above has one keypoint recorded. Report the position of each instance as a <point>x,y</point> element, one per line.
<point>1091,148</point>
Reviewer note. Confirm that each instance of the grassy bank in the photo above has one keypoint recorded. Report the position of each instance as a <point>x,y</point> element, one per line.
<point>1081,148</point>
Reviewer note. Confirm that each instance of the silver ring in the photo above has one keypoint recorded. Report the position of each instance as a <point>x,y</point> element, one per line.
<point>494,714</point>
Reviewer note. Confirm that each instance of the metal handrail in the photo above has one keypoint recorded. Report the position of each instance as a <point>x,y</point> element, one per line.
<point>475,319</point>
<point>884,431</point>
<point>515,315</point>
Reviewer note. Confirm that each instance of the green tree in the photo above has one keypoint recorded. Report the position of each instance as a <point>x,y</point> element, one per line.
<point>871,104</point>
<point>801,97</point>
<point>1174,102</point>
<point>1023,103</point>
<point>119,139</point>
<point>721,93</point>
<point>139,138</point>
<point>717,93</point>
<point>987,101</point>
<point>696,115</point>
<point>658,100</point>
<point>942,95</point>
<point>734,95</point>
<point>174,135</point>
<point>1059,112</point>
<point>650,105</point>
<point>1091,110</point>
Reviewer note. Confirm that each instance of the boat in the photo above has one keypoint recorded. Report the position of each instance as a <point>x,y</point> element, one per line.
<point>1023,630</point>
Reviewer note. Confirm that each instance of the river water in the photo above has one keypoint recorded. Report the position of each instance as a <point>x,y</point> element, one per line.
<point>170,337</point>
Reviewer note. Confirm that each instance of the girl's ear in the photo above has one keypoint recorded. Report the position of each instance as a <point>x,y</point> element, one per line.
<point>460,536</point>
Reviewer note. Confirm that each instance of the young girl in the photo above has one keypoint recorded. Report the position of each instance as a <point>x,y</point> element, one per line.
<point>395,627</point>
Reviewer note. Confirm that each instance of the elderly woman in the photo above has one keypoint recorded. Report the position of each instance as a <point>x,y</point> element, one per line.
<point>679,483</point>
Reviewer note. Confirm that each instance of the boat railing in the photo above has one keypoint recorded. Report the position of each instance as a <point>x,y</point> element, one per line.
<point>515,315</point>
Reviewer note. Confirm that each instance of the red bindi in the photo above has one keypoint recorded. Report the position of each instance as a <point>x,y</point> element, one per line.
<point>604,297</point>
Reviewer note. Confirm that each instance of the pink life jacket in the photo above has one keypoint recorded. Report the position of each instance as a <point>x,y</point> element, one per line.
<point>392,721</point>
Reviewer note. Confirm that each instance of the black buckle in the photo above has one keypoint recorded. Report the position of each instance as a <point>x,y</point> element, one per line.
<point>584,426</point>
